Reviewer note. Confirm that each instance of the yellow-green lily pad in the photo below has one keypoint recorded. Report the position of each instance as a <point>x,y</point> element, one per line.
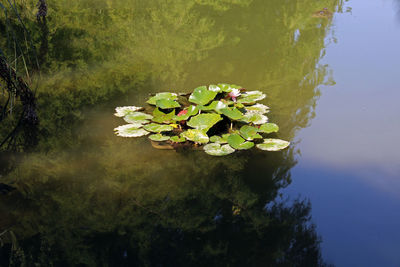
<point>271,144</point>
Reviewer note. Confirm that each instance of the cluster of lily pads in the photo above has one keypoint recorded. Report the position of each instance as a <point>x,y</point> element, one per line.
<point>229,112</point>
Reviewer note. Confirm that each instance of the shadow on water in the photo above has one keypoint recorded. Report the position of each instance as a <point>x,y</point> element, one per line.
<point>87,198</point>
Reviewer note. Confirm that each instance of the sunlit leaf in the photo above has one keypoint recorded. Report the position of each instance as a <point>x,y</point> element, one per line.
<point>237,142</point>
<point>138,117</point>
<point>218,150</point>
<point>228,87</point>
<point>167,103</point>
<point>159,96</point>
<point>215,88</point>
<point>157,128</point>
<point>269,128</point>
<point>254,118</point>
<point>202,96</point>
<point>219,139</point>
<point>123,111</point>
<point>251,97</point>
<point>204,121</point>
<point>249,132</point>
<point>273,144</point>
<point>186,113</point>
<point>178,139</point>
<point>195,135</point>
<point>232,113</point>
<point>257,108</point>
<point>161,117</point>
<point>159,137</point>
<point>130,130</point>
<point>215,105</point>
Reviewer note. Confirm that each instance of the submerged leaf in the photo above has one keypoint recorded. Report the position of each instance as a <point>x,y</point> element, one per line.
<point>254,118</point>
<point>159,137</point>
<point>249,132</point>
<point>130,130</point>
<point>167,103</point>
<point>237,142</point>
<point>178,139</point>
<point>273,144</point>
<point>232,113</point>
<point>257,108</point>
<point>158,128</point>
<point>195,135</point>
<point>251,97</point>
<point>159,96</point>
<point>269,128</point>
<point>123,111</point>
<point>162,117</point>
<point>138,117</point>
<point>202,96</point>
<point>218,150</point>
<point>204,121</point>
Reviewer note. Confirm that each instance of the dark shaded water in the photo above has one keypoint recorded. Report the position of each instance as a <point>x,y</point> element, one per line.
<point>86,197</point>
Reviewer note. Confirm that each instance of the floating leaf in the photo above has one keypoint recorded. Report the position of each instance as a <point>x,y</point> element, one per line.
<point>130,130</point>
<point>158,128</point>
<point>219,139</point>
<point>237,142</point>
<point>249,132</point>
<point>162,117</point>
<point>232,113</point>
<point>273,144</point>
<point>167,103</point>
<point>177,139</point>
<point>204,121</point>
<point>186,113</point>
<point>228,87</point>
<point>218,150</point>
<point>202,96</point>
<point>257,108</point>
<point>123,111</point>
<point>269,128</point>
<point>251,97</point>
<point>215,88</point>
<point>159,137</point>
<point>195,135</point>
<point>215,105</point>
<point>254,118</point>
<point>138,117</point>
<point>159,96</point>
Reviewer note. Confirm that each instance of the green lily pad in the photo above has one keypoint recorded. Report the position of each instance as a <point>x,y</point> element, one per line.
<point>237,142</point>
<point>220,139</point>
<point>204,121</point>
<point>158,128</point>
<point>254,118</point>
<point>123,111</point>
<point>167,103</point>
<point>251,97</point>
<point>249,132</point>
<point>257,108</point>
<point>269,128</point>
<point>159,137</point>
<point>218,150</point>
<point>273,144</point>
<point>161,117</point>
<point>215,105</point>
<point>232,113</point>
<point>215,88</point>
<point>228,87</point>
<point>138,117</point>
<point>190,111</point>
<point>130,130</point>
<point>177,139</point>
<point>202,96</point>
<point>195,135</point>
<point>159,96</point>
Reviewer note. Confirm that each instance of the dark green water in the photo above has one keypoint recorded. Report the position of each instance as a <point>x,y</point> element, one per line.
<point>88,198</point>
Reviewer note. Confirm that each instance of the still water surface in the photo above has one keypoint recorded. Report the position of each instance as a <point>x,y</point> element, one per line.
<point>86,197</point>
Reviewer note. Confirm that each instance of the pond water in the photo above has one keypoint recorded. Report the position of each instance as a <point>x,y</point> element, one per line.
<point>85,197</point>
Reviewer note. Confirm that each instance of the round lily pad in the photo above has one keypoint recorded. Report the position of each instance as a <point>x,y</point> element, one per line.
<point>159,137</point>
<point>249,132</point>
<point>178,139</point>
<point>157,128</point>
<point>159,96</point>
<point>130,130</point>
<point>218,150</point>
<point>219,139</point>
<point>273,144</point>
<point>237,142</point>
<point>138,117</point>
<point>251,97</point>
<point>232,113</point>
<point>202,96</point>
<point>161,117</point>
<point>123,111</point>
<point>167,103</point>
<point>269,128</point>
<point>204,121</point>
<point>186,113</point>
<point>195,135</point>
<point>254,118</point>
<point>257,108</point>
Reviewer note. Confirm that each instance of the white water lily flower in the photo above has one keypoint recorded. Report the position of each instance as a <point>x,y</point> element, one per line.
<point>234,94</point>
<point>122,111</point>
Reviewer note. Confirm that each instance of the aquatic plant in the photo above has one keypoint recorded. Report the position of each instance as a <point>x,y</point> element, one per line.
<point>221,118</point>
